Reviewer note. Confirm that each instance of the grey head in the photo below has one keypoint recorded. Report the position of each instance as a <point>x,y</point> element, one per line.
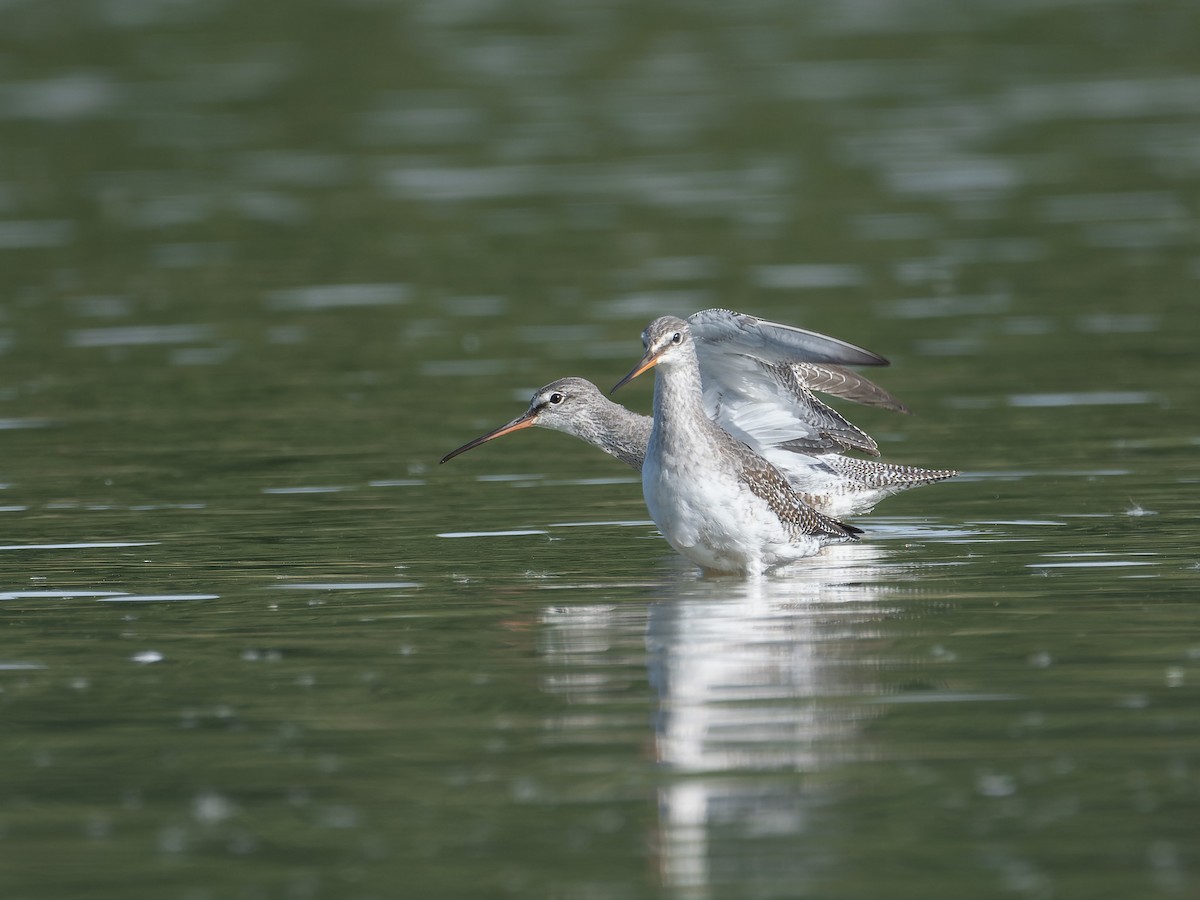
<point>568,405</point>
<point>576,407</point>
<point>668,341</point>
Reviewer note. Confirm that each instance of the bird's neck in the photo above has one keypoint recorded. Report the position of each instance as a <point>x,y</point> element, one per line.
<point>678,398</point>
<point>621,433</point>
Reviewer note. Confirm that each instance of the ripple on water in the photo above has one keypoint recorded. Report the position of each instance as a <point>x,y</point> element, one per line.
<point>516,532</point>
<point>79,545</point>
<point>1119,323</point>
<point>975,250</point>
<point>590,481</point>
<point>347,585</point>
<point>26,234</point>
<point>67,97</point>
<point>102,306</point>
<point>459,184</point>
<point>938,307</point>
<point>613,523</point>
<point>1093,559</point>
<point>1018,474</point>
<point>269,206</point>
<point>1018,522</point>
<point>1108,98</point>
<point>422,118</point>
<point>1084,398</point>
<point>941,697</point>
<point>337,296</point>
<point>1138,235</point>
<point>157,598</point>
<point>1092,564</point>
<point>57,594</point>
<point>310,489</point>
<point>801,276</point>
<point>139,335</point>
<point>899,528</point>
<point>952,174</point>
<point>1103,207</point>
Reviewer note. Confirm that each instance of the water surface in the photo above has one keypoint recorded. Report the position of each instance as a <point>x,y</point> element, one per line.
<point>258,273</point>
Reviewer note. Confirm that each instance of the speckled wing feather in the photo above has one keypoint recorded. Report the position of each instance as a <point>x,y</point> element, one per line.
<point>865,473</point>
<point>834,430</point>
<point>765,481</point>
<point>840,382</point>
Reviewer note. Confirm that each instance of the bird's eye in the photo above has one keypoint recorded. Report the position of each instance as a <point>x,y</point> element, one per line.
<point>677,338</point>
<point>556,398</point>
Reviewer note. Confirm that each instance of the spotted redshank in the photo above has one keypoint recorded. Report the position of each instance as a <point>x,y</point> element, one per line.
<point>715,500</point>
<point>831,483</point>
<point>759,382</point>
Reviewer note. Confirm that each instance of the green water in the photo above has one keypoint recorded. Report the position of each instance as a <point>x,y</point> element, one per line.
<point>261,265</point>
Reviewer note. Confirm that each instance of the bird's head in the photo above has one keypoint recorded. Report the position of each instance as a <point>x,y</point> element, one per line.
<point>558,405</point>
<point>667,340</point>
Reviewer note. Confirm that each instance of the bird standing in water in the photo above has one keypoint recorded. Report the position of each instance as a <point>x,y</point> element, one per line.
<point>715,500</point>
<point>828,481</point>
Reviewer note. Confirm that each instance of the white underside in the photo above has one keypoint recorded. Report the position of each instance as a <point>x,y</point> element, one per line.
<point>713,519</point>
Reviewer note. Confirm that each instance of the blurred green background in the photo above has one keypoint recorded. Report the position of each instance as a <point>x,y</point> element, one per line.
<point>261,265</point>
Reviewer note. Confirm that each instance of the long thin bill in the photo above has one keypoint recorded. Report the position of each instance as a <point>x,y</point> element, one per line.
<point>527,420</point>
<point>646,362</point>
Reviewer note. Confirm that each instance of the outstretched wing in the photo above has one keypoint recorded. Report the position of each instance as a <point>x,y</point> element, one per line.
<point>727,332</point>
<point>841,382</point>
<point>767,406</point>
<point>759,380</point>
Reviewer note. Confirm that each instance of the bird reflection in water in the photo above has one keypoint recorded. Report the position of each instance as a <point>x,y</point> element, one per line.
<point>751,680</point>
